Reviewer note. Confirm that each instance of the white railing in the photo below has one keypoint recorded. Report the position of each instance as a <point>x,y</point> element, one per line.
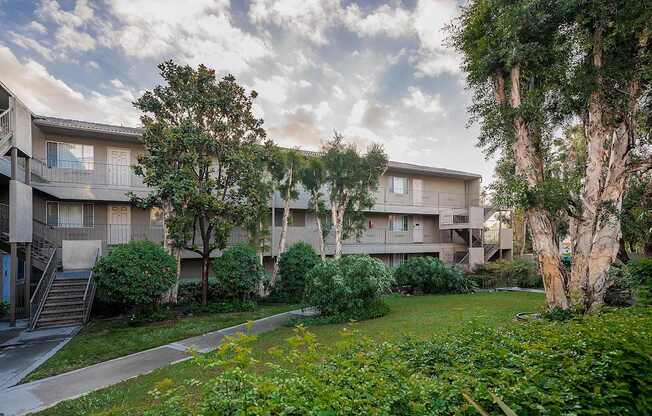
<point>6,127</point>
<point>87,172</point>
<point>426,198</point>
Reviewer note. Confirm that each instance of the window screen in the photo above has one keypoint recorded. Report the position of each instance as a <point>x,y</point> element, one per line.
<point>398,185</point>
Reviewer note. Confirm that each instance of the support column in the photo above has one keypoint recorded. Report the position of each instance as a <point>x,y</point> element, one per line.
<point>28,250</point>
<point>13,274</point>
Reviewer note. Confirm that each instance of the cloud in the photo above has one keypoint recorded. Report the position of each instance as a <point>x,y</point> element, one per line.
<point>299,127</point>
<point>201,33</point>
<point>431,19</point>
<point>70,38</point>
<point>419,100</point>
<point>92,65</point>
<point>338,93</point>
<point>50,10</point>
<point>393,22</point>
<point>37,27</point>
<point>45,94</point>
<point>26,42</point>
<point>274,89</point>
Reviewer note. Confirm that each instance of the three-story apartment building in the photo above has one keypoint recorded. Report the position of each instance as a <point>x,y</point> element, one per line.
<point>64,187</point>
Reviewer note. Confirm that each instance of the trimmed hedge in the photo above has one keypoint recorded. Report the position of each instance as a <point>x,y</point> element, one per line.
<point>238,273</point>
<point>337,286</point>
<point>135,274</point>
<point>294,265</point>
<point>429,275</point>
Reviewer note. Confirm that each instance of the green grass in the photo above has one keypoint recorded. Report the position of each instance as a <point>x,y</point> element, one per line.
<point>104,340</point>
<point>420,316</point>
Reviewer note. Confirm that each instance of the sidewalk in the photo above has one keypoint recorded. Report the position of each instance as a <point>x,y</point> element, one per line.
<point>41,394</point>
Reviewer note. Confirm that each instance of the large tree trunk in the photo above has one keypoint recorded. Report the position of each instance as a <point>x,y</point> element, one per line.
<point>284,230</point>
<point>322,248</point>
<point>338,231</point>
<point>168,245</point>
<point>205,268</point>
<point>530,166</point>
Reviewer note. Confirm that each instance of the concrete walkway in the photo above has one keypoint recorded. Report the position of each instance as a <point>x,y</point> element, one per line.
<point>27,350</point>
<point>41,394</point>
<point>519,289</point>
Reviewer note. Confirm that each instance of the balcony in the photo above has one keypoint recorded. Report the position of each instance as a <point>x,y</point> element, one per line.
<point>87,173</point>
<point>427,202</point>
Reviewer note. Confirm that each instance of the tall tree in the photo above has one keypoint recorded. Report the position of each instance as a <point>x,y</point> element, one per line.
<point>204,153</point>
<point>535,65</point>
<point>313,176</point>
<point>285,168</point>
<point>351,181</point>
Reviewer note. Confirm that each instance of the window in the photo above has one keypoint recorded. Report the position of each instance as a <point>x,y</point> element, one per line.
<point>398,222</point>
<point>70,156</point>
<point>398,259</point>
<point>70,215</point>
<point>296,218</point>
<point>398,185</point>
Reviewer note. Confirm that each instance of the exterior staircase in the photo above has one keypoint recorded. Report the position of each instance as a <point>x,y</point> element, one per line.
<point>65,300</point>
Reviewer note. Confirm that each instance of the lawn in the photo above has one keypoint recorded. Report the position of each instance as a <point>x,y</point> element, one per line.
<point>421,316</point>
<point>104,340</point>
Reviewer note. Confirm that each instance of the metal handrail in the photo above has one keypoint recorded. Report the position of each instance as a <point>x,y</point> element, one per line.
<point>5,122</point>
<point>89,293</point>
<point>39,296</point>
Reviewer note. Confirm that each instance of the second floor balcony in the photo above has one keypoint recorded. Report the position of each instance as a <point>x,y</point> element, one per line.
<point>86,172</point>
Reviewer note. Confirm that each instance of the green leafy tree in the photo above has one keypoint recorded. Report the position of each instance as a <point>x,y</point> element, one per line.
<point>285,168</point>
<point>313,177</point>
<point>535,65</point>
<point>351,180</point>
<point>204,154</point>
<point>637,214</point>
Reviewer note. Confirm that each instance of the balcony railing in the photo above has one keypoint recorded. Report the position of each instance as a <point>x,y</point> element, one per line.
<point>5,123</point>
<point>87,172</point>
<point>434,199</point>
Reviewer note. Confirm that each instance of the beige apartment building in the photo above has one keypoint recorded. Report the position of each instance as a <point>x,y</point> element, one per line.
<point>64,200</point>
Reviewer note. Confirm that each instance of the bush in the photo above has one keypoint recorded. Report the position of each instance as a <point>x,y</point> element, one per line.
<point>294,266</point>
<point>597,365</point>
<point>135,274</point>
<point>640,272</point>
<point>429,275</point>
<point>4,308</point>
<point>238,273</point>
<point>336,286</point>
<point>621,287</point>
<point>190,290</point>
<point>520,273</point>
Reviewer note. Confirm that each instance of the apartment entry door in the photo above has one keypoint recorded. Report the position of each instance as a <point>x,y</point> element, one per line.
<point>417,191</point>
<point>119,226</point>
<point>417,230</point>
<point>118,168</point>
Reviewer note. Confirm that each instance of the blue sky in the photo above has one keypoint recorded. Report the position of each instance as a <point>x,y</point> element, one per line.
<point>377,71</point>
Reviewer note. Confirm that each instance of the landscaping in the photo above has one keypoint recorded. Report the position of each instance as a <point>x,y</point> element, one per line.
<point>420,316</point>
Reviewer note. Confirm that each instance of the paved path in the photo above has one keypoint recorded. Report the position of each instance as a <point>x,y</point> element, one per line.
<point>41,394</point>
<point>25,351</point>
<point>519,289</point>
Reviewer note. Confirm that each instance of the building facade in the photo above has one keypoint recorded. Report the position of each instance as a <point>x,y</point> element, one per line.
<point>65,182</point>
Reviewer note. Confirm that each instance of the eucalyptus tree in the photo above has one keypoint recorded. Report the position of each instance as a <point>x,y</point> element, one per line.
<point>285,168</point>
<point>313,176</point>
<point>536,65</point>
<point>204,154</point>
<point>351,181</point>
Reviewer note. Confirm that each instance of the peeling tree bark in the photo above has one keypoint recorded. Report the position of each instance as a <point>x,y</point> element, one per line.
<point>284,229</point>
<point>322,248</point>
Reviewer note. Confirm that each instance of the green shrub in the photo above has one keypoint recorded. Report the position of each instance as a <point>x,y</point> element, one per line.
<point>598,365</point>
<point>294,266</point>
<point>336,286</point>
<point>135,274</point>
<point>238,273</point>
<point>4,308</point>
<point>640,271</point>
<point>521,273</point>
<point>429,275</point>
<point>190,290</point>
<point>621,286</point>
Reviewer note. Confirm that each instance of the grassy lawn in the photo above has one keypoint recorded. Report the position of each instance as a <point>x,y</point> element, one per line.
<point>103,340</point>
<point>421,316</point>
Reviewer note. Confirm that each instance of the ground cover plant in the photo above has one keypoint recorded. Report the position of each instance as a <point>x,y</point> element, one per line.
<point>421,317</point>
<point>430,275</point>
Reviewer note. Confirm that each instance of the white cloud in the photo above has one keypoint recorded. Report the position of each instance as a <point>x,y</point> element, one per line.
<point>70,38</point>
<point>26,42</point>
<point>338,93</point>
<point>45,94</point>
<point>37,27</point>
<point>431,19</point>
<point>51,10</point>
<point>419,100</point>
<point>357,112</point>
<point>274,89</point>
<point>394,22</point>
<point>92,65</point>
<point>117,83</point>
<point>305,84</point>
<point>201,33</point>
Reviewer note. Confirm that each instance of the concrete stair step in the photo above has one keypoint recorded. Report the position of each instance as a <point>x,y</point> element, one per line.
<point>67,290</point>
<point>60,304</point>
<point>60,298</point>
<point>60,311</point>
<point>43,323</point>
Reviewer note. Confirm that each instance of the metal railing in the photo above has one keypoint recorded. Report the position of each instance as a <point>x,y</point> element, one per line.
<point>89,293</point>
<point>6,126</point>
<point>39,296</point>
<point>87,172</point>
<point>425,198</point>
<point>411,235</point>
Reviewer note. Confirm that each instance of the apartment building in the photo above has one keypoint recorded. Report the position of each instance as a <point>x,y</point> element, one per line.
<point>64,200</point>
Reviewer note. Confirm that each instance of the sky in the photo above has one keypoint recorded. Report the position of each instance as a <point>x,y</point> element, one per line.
<point>376,71</point>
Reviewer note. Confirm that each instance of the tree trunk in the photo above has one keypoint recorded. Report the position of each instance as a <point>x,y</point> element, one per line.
<point>322,249</point>
<point>168,245</point>
<point>622,252</point>
<point>530,166</point>
<point>284,228</point>
<point>205,268</point>
<point>337,225</point>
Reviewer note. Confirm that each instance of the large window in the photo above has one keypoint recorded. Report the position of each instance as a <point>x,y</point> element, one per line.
<point>70,215</point>
<point>398,222</point>
<point>70,156</point>
<point>398,185</point>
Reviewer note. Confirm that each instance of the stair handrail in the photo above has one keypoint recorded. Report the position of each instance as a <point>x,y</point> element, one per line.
<point>39,296</point>
<point>89,293</point>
